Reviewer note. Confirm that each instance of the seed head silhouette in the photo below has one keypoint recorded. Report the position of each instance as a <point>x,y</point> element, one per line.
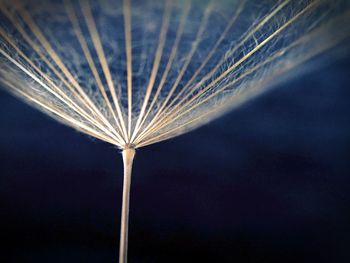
<point>133,73</point>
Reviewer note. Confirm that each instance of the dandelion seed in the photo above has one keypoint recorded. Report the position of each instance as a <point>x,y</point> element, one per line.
<point>133,73</point>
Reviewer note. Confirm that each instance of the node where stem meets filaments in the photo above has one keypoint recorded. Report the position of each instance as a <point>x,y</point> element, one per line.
<point>133,74</point>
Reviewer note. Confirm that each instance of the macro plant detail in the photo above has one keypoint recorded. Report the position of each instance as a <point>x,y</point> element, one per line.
<point>133,73</point>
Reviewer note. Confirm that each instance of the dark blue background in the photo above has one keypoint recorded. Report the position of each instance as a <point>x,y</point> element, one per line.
<point>268,182</point>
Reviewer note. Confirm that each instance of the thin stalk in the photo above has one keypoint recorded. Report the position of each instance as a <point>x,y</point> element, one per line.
<point>128,157</point>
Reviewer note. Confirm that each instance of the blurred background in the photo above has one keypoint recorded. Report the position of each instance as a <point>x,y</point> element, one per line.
<point>268,182</point>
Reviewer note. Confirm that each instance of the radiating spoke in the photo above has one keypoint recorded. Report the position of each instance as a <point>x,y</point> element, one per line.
<point>128,50</point>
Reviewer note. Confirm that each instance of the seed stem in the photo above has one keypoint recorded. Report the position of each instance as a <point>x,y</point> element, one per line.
<point>128,157</point>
